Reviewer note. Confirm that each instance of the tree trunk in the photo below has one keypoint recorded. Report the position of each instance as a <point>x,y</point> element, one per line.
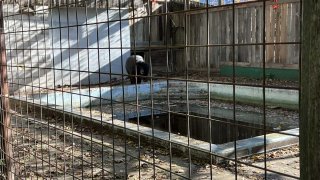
<point>5,121</point>
<point>310,92</point>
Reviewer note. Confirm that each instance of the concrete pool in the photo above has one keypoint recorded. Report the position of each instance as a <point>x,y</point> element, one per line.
<point>95,105</point>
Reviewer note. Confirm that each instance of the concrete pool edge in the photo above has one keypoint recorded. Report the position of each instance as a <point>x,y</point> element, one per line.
<point>285,98</point>
<point>199,149</point>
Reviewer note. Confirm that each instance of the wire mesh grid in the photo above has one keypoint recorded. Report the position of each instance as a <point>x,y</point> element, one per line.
<point>215,96</point>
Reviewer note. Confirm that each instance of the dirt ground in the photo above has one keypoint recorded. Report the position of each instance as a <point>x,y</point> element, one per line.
<point>56,149</point>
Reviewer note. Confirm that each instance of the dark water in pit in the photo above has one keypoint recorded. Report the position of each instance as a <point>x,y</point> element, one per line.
<point>199,127</point>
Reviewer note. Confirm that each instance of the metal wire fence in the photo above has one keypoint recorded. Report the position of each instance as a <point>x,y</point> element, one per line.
<point>160,89</point>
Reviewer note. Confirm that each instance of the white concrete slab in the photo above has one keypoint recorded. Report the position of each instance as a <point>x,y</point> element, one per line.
<point>94,49</point>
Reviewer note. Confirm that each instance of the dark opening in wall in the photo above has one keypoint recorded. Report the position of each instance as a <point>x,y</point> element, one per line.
<point>221,131</point>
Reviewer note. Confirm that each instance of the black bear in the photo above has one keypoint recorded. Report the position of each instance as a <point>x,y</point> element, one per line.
<point>136,62</point>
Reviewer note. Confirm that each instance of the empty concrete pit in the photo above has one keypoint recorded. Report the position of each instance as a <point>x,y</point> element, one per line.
<point>221,130</point>
<point>171,113</point>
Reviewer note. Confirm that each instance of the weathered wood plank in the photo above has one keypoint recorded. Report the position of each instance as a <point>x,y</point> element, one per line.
<point>215,39</point>
<point>259,34</point>
<point>219,34</point>
<point>224,36</point>
<point>229,35</point>
<point>283,34</point>
<point>236,36</point>
<point>269,28</point>
<point>290,33</point>
<point>297,21</point>
<point>241,35</point>
<point>253,34</point>
<point>246,36</point>
<point>278,18</point>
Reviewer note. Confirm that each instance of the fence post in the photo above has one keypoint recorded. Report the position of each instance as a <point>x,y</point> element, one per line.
<point>5,108</point>
<point>310,92</point>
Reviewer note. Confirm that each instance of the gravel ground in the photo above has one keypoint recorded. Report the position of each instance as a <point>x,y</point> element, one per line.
<point>54,149</point>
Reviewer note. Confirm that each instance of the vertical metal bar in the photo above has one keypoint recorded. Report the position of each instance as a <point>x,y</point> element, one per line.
<point>71,98</point>
<point>46,83</point>
<point>31,67</point>
<point>111,94</point>
<point>54,79</point>
<point>264,88</point>
<point>89,83</point>
<point>24,82</point>
<point>5,107</point>
<point>208,84</point>
<point>167,88</point>
<point>136,86</point>
<point>39,91</point>
<point>187,56</point>
<point>99,83</point>
<point>234,127</point>
<point>62,89</point>
<point>80,84</point>
<point>123,93</point>
<point>149,4</point>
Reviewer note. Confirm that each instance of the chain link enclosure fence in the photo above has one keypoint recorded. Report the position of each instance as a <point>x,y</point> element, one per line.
<point>220,101</point>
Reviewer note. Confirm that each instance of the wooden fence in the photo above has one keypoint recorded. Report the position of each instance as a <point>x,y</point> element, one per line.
<point>282,30</point>
<point>282,25</point>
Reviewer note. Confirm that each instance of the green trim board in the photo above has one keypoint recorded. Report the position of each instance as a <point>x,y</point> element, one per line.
<point>257,72</point>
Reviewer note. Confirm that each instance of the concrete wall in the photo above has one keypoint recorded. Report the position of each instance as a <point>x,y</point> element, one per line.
<point>27,46</point>
<point>70,45</point>
<point>43,51</point>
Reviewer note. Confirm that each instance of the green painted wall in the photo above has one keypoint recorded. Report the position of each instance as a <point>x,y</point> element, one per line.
<point>255,72</point>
